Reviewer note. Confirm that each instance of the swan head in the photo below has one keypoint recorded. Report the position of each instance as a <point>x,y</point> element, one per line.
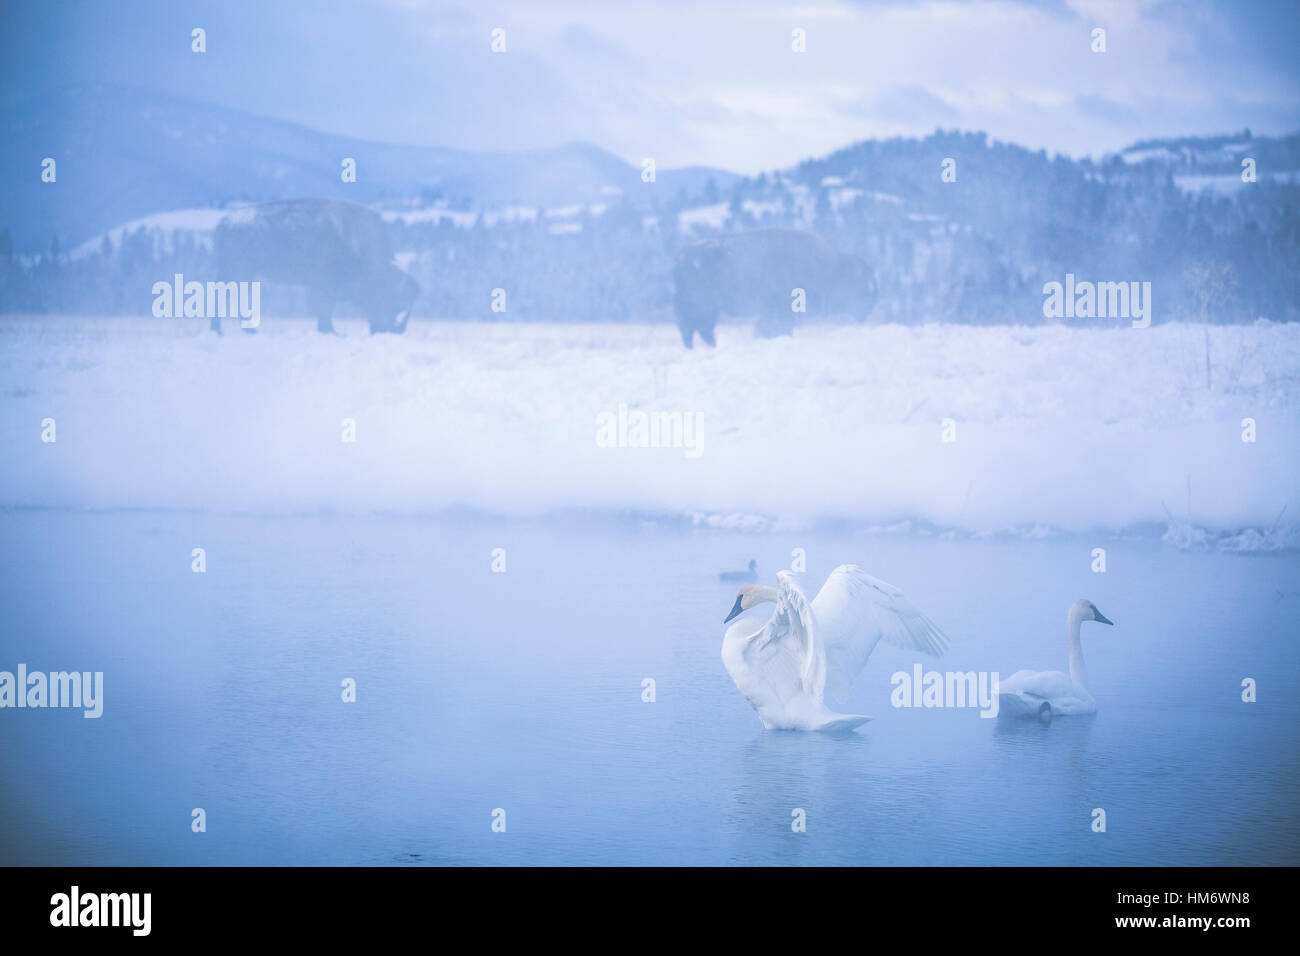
<point>751,595</point>
<point>1085,610</point>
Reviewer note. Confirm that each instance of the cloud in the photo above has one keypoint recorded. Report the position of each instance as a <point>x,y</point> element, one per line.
<point>904,104</point>
<point>709,82</point>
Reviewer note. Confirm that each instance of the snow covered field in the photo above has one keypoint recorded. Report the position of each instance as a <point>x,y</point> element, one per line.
<point>1053,428</point>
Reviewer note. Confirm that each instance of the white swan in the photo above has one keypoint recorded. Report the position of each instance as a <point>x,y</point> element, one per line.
<point>1049,694</point>
<point>786,665</point>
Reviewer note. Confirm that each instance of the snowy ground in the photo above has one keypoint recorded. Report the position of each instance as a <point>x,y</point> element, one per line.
<point>1055,428</point>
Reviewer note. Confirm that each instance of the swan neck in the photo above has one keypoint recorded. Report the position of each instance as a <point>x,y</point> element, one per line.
<point>1077,672</point>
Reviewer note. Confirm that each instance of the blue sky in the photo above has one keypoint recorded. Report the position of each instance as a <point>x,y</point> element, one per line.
<point>709,81</point>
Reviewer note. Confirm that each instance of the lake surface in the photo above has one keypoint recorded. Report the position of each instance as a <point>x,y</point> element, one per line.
<point>522,691</point>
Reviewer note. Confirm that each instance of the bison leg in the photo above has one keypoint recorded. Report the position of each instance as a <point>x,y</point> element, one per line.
<point>324,309</point>
<point>692,319</point>
<point>704,323</point>
<point>382,323</point>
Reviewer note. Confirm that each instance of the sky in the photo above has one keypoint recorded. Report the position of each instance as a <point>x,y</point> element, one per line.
<point>707,82</point>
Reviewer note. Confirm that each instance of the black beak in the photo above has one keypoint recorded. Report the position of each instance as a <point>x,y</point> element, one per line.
<point>1101,618</point>
<point>736,609</point>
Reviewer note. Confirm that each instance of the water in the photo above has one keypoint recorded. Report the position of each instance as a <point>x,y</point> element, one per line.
<point>522,691</point>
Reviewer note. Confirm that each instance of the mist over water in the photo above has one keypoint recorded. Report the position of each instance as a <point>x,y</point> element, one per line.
<point>980,430</point>
<point>523,691</point>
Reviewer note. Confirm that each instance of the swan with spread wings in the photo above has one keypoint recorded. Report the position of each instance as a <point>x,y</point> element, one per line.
<point>787,665</point>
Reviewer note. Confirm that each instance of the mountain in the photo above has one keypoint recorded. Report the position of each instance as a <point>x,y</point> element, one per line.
<point>142,179</point>
<point>124,154</point>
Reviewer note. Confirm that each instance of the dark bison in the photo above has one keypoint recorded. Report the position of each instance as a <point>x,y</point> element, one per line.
<point>337,250</point>
<point>755,273</point>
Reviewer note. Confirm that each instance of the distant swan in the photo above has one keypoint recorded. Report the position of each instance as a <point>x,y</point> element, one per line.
<point>1048,694</point>
<point>786,665</point>
<point>750,575</point>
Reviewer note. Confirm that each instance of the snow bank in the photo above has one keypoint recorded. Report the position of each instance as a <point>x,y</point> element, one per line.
<point>1060,428</point>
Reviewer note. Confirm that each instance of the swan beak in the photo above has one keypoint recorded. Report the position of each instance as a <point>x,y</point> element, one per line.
<point>1101,618</point>
<point>734,611</point>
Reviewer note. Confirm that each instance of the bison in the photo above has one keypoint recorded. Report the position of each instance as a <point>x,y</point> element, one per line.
<point>337,250</point>
<point>756,273</point>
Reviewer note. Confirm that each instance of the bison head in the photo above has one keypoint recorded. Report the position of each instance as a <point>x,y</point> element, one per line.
<point>391,307</point>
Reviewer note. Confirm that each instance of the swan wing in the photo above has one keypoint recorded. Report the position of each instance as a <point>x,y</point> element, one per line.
<point>853,611</point>
<point>812,672</point>
<point>1025,692</point>
<point>786,646</point>
<point>1042,685</point>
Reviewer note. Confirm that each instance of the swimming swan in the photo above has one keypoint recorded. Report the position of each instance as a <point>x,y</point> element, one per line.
<point>786,665</point>
<point>750,575</point>
<point>1049,694</point>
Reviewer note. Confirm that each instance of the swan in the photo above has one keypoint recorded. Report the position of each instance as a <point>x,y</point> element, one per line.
<point>1048,694</point>
<point>786,665</point>
<point>750,575</point>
